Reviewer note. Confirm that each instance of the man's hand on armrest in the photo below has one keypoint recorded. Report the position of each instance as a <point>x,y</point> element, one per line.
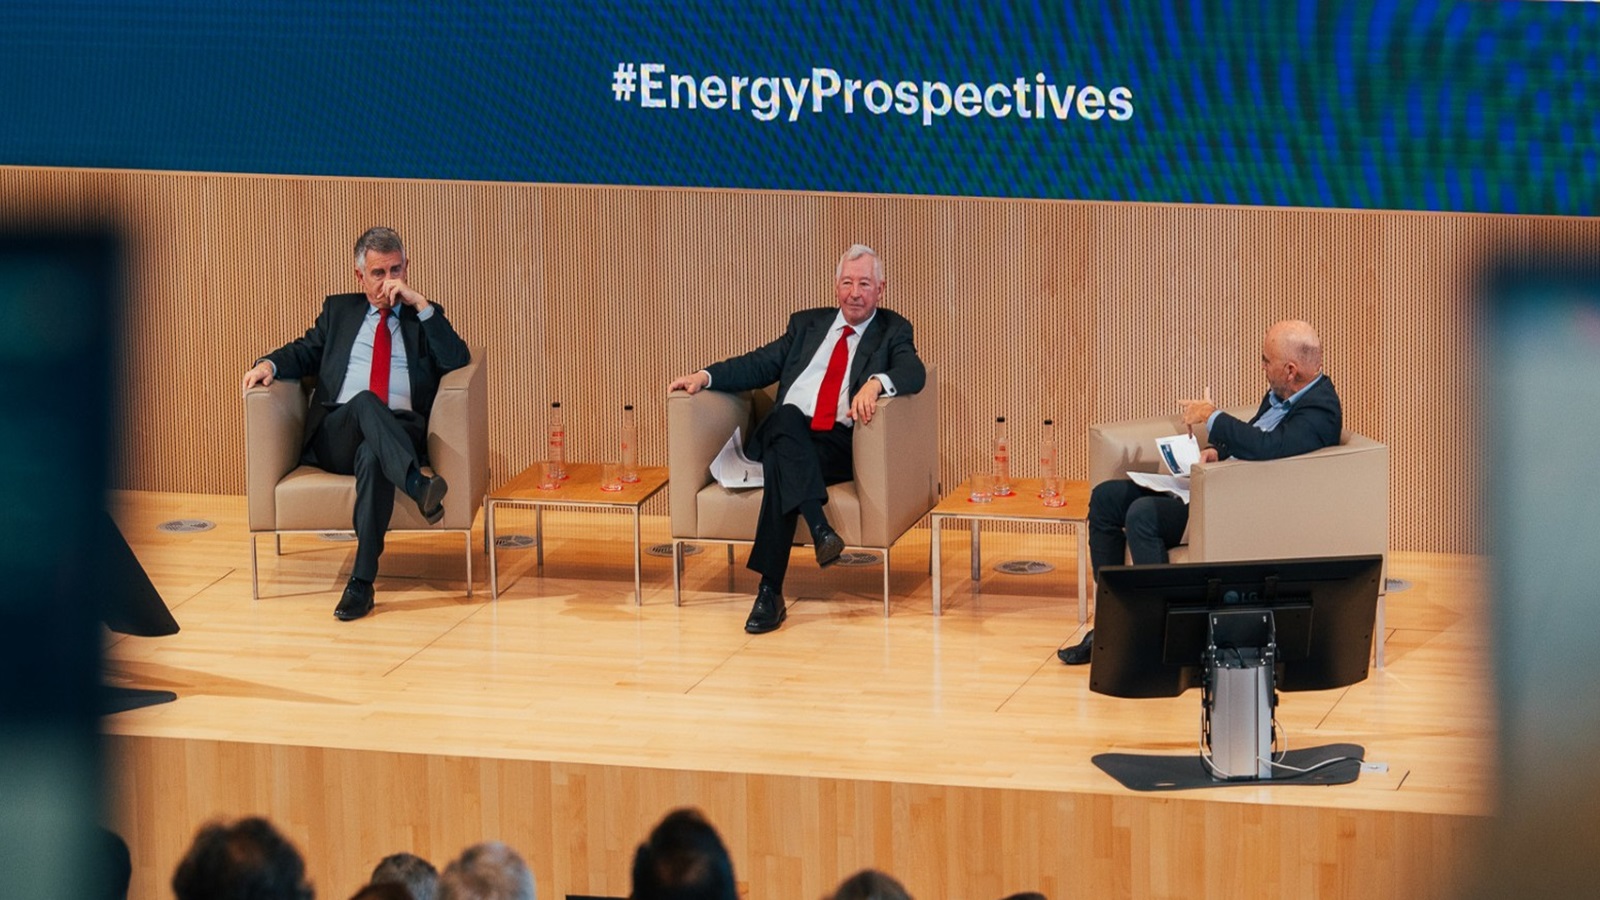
<point>865,403</point>
<point>694,383</point>
<point>261,373</point>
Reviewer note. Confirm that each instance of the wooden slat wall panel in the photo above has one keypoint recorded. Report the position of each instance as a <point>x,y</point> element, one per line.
<point>598,296</point>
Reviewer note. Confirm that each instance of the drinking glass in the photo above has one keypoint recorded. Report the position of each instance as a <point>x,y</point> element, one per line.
<point>550,475</point>
<point>1051,494</point>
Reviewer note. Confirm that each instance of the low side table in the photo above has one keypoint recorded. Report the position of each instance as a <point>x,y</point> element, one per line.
<point>580,490</point>
<point>1023,505</point>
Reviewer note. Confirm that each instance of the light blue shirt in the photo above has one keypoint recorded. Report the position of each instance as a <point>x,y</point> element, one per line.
<point>358,375</point>
<point>1276,409</point>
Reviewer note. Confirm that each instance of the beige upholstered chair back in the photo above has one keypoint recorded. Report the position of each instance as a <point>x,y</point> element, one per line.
<point>283,495</point>
<point>1330,502</point>
<point>895,458</point>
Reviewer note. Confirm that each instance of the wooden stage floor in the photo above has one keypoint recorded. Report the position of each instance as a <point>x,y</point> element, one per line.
<point>952,751</point>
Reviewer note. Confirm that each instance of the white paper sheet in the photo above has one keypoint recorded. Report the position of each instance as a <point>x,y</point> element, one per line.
<point>1178,452</point>
<point>1176,485</point>
<point>732,469</point>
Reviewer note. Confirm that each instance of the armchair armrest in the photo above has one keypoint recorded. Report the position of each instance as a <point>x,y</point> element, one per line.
<point>274,430</point>
<point>896,461</point>
<point>1117,448</point>
<point>1330,502</point>
<point>697,427</point>
<point>458,439</point>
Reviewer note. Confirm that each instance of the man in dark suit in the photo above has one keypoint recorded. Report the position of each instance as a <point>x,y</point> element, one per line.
<point>378,355</point>
<point>1300,413</point>
<point>831,366</point>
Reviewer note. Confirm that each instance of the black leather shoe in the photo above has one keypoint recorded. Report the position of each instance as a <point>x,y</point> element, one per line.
<point>1078,653</point>
<point>767,613</point>
<point>356,602</point>
<point>829,545</point>
<point>429,494</point>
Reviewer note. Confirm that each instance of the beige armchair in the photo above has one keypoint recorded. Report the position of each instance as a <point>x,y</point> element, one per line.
<point>896,459</point>
<point>284,496</point>
<point>1341,495</point>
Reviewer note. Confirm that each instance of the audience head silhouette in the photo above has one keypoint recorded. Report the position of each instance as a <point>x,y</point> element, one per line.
<point>870,884</point>
<point>248,860</point>
<point>487,871</point>
<point>684,859</point>
<point>417,874</point>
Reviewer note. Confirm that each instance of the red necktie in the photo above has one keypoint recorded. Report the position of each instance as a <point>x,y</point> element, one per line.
<point>828,397</point>
<point>381,353</point>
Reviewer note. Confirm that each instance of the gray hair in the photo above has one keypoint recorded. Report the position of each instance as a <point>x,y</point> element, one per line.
<point>487,871</point>
<point>378,239</point>
<point>417,874</point>
<point>857,251</point>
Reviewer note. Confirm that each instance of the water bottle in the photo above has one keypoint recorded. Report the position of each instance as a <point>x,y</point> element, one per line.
<point>558,441</point>
<point>1050,481</point>
<point>1047,455</point>
<point>1002,459</point>
<point>630,445</point>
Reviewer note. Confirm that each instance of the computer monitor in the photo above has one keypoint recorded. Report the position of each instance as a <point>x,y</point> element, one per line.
<point>1151,622</point>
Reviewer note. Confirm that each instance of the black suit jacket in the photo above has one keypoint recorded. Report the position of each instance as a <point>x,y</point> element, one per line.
<point>432,349</point>
<point>1312,422</point>
<point>886,346</point>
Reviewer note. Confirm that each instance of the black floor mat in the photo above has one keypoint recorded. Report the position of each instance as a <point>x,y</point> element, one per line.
<point>1146,772</point>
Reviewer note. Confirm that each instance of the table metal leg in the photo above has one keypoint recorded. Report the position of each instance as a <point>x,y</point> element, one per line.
<point>538,532</point>
<point>1083,571</point>
<point>977,550</point>
<point>934,560</point>
<point>488,530</point>
<point>638,551</point>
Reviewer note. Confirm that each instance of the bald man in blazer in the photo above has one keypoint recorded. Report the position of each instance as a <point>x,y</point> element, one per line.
<point>1299,413</point>
<point>349,429</point>
<point>831,365</point>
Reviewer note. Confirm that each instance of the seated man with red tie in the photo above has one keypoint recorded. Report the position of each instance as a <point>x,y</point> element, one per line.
<point>378,356</point>
<point>831,366</point>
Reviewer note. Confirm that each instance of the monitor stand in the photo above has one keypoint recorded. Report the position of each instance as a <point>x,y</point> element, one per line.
<point>1239,696</point>
<point>114,699</point>
<point>1237,703</point>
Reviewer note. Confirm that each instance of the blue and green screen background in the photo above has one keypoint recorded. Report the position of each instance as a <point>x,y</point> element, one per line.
<point>1443,106</point>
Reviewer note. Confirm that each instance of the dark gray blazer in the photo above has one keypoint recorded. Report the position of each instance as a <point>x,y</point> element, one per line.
<point>432,349</point>
<point>886,346</point>
<point>1312,422</point>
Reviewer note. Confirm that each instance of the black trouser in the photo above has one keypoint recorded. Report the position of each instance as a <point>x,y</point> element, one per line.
<point>1125,515</point>
<point>797,464</point>
<point>380,447</point>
